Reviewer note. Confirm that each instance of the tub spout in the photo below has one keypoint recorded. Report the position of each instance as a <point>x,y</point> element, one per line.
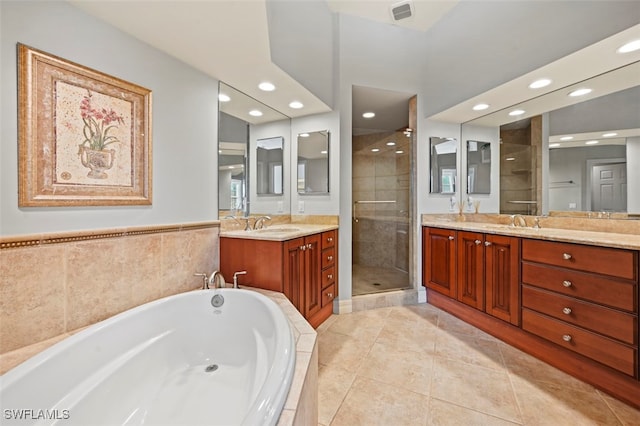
<point>217,280</point>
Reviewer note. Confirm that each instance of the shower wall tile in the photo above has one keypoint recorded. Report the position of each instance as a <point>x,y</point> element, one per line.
<point>50,289</point>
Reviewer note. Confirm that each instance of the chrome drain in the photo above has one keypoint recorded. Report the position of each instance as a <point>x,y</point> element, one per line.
<point>210,368</point>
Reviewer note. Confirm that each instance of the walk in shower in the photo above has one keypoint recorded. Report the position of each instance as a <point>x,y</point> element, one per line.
<point>381,211</point>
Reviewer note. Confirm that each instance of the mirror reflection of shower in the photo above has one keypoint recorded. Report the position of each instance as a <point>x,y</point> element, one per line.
<point>381,184</point>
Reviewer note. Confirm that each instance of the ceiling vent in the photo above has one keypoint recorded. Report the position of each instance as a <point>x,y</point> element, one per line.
<point>402,10</point>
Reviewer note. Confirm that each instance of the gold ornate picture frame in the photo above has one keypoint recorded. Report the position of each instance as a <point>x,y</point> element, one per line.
<point>84,137</point>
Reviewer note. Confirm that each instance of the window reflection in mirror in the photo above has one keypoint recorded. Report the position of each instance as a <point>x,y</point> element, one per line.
<point>443,165</point>
<point>313,162</point>
<point>478,167</point>
<point>269,172</point>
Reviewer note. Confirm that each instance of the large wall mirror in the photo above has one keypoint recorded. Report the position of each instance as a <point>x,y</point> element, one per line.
<point>313,162</point>
<point>251,160</point>
<point>478,167</point>
<point>443,165</point>
<point>575,156</point>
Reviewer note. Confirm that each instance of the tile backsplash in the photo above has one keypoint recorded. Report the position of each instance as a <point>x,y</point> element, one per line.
<point>53,284</point>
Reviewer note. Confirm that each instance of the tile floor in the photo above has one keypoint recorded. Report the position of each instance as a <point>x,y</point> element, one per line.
<point>372,279</point>
<point>417,365</point>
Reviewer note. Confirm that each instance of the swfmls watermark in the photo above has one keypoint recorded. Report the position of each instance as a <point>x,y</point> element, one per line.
<point>35,414</point>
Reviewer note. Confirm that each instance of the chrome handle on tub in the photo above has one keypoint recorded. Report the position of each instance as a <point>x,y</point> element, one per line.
<point>477,242</point>
<point>566,337</point>
<point>566,311</point>
<point>567,283</point>
<point>566,256</point>
<point>487,243</point>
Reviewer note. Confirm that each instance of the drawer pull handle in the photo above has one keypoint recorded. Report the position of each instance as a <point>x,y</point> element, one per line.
<point>566,256</point>
<point>329,258</point>
<point>567,283</point>
<point>451,238</point>
<point>487,243</point>
<point>329,295</point>
<point>303,248</point>
<point>566,311</point>
<point>477,242</point>
<point>330,239</point>
<point>566,337</point>
<point>330,277</point>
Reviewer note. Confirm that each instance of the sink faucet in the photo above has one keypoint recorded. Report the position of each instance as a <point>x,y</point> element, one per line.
<point>260,222</point>
<point>216,280</point>
<point>235,278</point>
<point>246,224</point>
<point>518,220</point>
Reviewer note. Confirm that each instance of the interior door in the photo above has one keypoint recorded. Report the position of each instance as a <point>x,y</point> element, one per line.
<point>609,187</point>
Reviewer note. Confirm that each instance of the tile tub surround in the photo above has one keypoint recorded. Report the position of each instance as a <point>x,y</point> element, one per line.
<point>617,233</point>
<point>53,284</point>
<point>301,405</point>
<point>418,365</point>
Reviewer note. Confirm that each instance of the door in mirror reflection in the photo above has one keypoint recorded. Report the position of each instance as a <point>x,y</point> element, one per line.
<point>313,162</point>
<point>269,171</point>
<point>478,167</point>
<point>443,165</point>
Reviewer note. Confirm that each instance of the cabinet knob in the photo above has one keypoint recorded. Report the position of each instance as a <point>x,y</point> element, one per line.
<point>330,276</point>
<point>451,238</point>
<point>309,246</point>
<point>303,247</point>
<point>330,239</point>
<point>487,243</point>
<point>566,311</point>
<point>566,256</point>
<point>567,283</point>
<point>477,242</point>
<point>329,294</point>
<point>329,258</point>
<point>566,337</point>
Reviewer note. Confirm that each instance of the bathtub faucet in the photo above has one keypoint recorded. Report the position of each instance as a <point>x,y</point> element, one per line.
<point>235,278</point>
<point>205,279</point>
<point>216,280</point>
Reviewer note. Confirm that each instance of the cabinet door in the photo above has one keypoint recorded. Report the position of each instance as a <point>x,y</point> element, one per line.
<point>313,275</point>
<point>470,269</point>
<point>501,277</point>
<point>439,251</point>
<point>293,266</point>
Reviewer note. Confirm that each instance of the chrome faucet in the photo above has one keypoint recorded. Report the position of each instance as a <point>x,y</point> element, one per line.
<point>246,224</point>
<point>261,222</point>
<point>216,280</point>
<point>205,279</point>
<point>235,278</point>
<point>518,220</point>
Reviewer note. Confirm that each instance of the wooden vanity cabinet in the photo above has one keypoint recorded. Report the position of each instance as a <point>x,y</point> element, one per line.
<point>304,269</point>
<point>439,260</point>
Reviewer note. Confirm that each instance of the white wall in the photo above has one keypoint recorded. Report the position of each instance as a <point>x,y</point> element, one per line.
<point>184,120</point>
<point>633,175</point>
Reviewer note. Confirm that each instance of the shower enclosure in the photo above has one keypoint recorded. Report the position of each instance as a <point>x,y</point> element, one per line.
<point>381,211</point>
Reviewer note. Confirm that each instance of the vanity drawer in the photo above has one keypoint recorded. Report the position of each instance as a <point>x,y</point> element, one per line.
<point>599,348</point>
<point>607,321</point>
<point>329,239</point>
<point>328,294</point>
<point>328,276</point>
<point>596,288</point>
<point>602,260</point>
<point>328,257</point>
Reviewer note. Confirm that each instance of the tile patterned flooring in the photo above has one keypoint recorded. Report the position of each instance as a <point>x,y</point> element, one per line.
<point>418,365</point>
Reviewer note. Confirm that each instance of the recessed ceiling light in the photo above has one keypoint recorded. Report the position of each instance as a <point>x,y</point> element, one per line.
<point>632,46</point>
<point>323,152</point>
<point>580,92</point>
<point>223,98</point>
<point>591,142</point>
<point>554,145</point>
<point>480,107</point>
<point>517,112</point>
<point>399,151</point>
<point>296,105</point>
<point>266,86</point>
<point>375,149</point>
<point>391,143</point>
<point>369,114</point>
<point>543,82</point>
<point>510,158</point>
<point>609,135</point>
<point>304,135</point>
<point>255,113</point>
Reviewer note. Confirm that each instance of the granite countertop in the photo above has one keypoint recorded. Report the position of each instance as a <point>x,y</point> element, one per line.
<point>281,232</point>
<point>596,238</point>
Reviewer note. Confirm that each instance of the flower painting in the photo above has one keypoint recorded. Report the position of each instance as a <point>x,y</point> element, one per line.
<point>84,136</point>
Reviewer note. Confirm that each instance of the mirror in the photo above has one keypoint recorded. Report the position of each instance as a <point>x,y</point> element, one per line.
<point>478,167</point>
<point>269,172</point>
<point>248,129</point>
<point>443,165</point>
<point>563,180</point>
<point>313,162</point>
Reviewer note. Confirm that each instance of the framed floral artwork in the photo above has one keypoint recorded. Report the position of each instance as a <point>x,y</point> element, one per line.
<point>84,137</point>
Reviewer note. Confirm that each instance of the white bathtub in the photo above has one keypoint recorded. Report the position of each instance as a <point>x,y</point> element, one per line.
<point>149,366</point>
